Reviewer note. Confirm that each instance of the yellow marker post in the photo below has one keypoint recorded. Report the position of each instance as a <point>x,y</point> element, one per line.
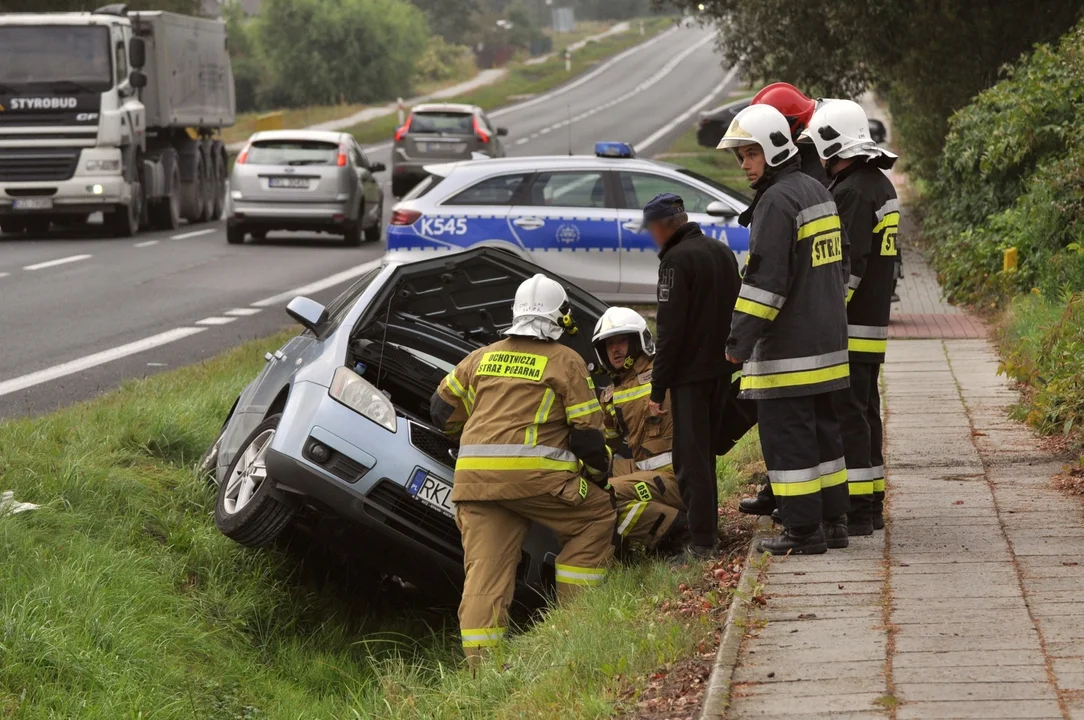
<point>1010,260</point>
<point>270,121</point>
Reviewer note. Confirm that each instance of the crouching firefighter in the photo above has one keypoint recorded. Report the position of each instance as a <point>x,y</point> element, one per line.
<point>649,506</point>
<point>528,420</point>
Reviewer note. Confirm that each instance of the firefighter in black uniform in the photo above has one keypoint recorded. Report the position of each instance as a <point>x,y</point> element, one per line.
<point>790,331</point>
<point>869,211</point>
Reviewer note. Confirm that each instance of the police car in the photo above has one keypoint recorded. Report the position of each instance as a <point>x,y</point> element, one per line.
<point>577,216</point>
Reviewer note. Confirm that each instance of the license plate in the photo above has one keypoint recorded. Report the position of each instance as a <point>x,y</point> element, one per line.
<point>432,491</point>
<point>33,203</point>
<point>288,182</point>
<point>431,147</point>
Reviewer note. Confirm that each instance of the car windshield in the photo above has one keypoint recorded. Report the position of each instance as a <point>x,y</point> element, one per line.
<point>293,152</point>
<point>340,306</point>
<point>66,55</point>
<point>736,193</point>
<point>442,122</point>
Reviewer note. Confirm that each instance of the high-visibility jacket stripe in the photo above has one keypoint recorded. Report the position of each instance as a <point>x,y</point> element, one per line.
<point>612,434</point>
<point>573,575</point>
<point>890,220</point>
<point>798,488</point>
<point>482,637</point>
<point>890,206</point>
<point>809,362</point>
<point>870,332</point>
<point>500,450</point>
<point>633,511</point>
<point>633,393</point>
<point>861,474</point>
<point>763,297</point>
<point>832,479</point>
<point>854,282</point>
<point>456,387</point>
<point>750,307</point>
<point>591,382</point>
<point>540,417</point>
<point>879,485</point>
<point>867,346</point>
<point>783,477</point>
<point>849,295</point>
<point>657,462</point>
<point>514,463</point>
<point>814,212</point>
<point>816,227</point>
<point>859,488</point>
<point>586,408</point>
<point>794,379</point>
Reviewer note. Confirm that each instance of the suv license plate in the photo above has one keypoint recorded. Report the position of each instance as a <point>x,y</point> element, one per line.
<point>431,147</point>
<point>432,491</point>
<point>33,203</point>
<point>288,182</point>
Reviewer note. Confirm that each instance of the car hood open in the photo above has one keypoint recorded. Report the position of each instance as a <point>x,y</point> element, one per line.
<point>452,304</point>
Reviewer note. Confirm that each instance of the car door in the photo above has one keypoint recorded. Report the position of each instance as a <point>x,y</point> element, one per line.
<point>639,256</point>
<point>474,215</point>
<point>567,223</point>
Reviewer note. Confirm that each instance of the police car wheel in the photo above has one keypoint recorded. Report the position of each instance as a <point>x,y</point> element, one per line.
<point>249,510</point>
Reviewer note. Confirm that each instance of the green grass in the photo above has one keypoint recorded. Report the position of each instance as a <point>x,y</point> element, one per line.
<point>719,165</point>
<point>525,80</point>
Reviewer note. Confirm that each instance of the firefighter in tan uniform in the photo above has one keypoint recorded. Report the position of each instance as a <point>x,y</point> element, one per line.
<point>649,504</point>
<point>531,430</point>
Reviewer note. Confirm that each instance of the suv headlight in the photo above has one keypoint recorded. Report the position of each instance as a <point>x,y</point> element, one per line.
<point>103,166</point>
<point>360,396</point>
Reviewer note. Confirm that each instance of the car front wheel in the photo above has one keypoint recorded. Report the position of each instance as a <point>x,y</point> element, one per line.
<point>247,510</point>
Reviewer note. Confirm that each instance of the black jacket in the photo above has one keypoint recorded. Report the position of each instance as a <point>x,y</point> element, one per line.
<point>811,163</point>
<point>869,211</point>
<point>790,321</point>
<point>698,285</point>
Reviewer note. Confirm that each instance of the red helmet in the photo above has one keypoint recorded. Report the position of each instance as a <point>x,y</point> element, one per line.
<point>789,100</point>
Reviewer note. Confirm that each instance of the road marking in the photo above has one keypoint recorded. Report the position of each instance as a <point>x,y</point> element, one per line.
<point>4,275</point>
<point>319,285</point>
<point>90,361</point>
<point>194,233</point>
<point>146,243</point>
<point>522,141</point>
<point>242,312</point>
<point>54,263</point>
<point>216,321</point>
<point>661,132</point>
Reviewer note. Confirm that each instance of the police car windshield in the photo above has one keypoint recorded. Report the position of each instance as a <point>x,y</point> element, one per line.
<point>42,55</point>
<point>442,122</point>
<point>735,193</point>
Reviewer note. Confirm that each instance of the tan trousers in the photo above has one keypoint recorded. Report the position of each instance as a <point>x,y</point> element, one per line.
<point>583,517</point>
<point>648,501</point>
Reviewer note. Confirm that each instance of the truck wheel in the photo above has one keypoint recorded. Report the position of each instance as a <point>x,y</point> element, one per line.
<point>166,212</point>
<point>208,183</point>
<point>124,220</point>
<point>235,235</point>
<point>247,510</point>
<point>372,234</point>
<point>193,192</point>
<point>219,181</point>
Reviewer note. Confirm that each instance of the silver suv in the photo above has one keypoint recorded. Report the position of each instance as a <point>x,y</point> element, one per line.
<point>440,133</point>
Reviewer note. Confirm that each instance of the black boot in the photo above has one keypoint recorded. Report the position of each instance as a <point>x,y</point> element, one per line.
<point>673,542</point>
<point>776,517</point>
<point>836,535</point>
<point>759,505</point>
<point>797,541</point>
<point>878,522</point>
<point>860,525</point>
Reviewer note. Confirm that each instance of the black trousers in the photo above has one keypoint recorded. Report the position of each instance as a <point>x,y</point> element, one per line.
<point>698,416</point>
<point>853,409</point>
<point>803,449</point>
<point>872,374</point>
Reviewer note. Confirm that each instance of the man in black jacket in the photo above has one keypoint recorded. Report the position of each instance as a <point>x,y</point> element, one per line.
<point>698,286</point>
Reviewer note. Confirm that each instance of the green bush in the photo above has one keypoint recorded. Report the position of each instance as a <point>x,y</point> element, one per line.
<point>442,61</point>
<point>1010,176</point>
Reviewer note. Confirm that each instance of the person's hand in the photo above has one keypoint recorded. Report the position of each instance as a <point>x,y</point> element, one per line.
<point>655,409</point>
<point>731,359</point>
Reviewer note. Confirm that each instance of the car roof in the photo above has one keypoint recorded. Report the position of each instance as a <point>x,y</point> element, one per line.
<point>320,135</point>
<point>546,162</point>
<point>445,107</point>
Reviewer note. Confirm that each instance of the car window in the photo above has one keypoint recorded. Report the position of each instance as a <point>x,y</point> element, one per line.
<point>292,152</point>
<point>582,189</point>
<point>359,157</point>
<point>740,194</point>
<point>498,190</point>
<point>422,188</point>
<point>121,63</point>
<point>340,306</point>
<point>452,123</point>
<point>639,188</point>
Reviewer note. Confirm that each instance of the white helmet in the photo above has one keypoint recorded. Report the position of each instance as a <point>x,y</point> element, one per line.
<point>839,128</point>
<point>765,126</point>
<point>622,321</point>
<point>540,310</point>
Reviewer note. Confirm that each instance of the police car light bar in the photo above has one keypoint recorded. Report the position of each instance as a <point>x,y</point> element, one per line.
<point>614,150</point>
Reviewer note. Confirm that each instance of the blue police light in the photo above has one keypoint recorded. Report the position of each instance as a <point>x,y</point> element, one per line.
<point>614,150</point>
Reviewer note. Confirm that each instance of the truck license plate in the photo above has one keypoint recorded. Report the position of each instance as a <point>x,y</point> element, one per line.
<point>33,203</point>
<point>288,182</point>
<point>432,491</point>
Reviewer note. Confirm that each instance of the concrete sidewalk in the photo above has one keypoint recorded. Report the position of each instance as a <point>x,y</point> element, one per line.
<point>969,604</point>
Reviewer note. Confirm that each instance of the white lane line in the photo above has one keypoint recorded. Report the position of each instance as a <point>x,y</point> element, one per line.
<point>661,132</point>
<point>242,312</point>
<point>319,285</point>
<point>522,141</point>
<point>59,261</point>
<point>216,321</point>
<point>4,275</point>
<point>90,361</point>
<point>194,233</point>
<point>146,243</point>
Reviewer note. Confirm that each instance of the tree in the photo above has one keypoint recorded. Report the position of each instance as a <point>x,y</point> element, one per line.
<point>453,20</point>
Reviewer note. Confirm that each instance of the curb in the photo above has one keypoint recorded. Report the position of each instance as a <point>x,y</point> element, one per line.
<point>717,696</point>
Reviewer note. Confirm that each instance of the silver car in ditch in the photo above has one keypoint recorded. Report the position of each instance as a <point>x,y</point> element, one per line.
<point>336,426</point>
<point>308,181</point>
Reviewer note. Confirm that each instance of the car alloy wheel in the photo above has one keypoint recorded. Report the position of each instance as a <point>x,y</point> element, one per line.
<point>249,473</point>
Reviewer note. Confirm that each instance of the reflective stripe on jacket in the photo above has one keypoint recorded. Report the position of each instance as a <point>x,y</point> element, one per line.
<point>627,413</point>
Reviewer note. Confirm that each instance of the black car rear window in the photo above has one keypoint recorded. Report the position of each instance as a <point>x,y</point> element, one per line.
<point>293,152</point>
<point>443,122</point>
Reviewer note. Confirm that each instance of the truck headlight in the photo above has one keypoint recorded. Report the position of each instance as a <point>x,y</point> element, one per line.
<point>362,397</point>
<point>103,166</point>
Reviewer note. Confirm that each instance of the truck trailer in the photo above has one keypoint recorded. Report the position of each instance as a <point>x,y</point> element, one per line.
<point>115,112</point>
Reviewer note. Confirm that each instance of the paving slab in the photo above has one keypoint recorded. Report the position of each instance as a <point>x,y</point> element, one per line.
<point>961,710</point>
<point>948,692</point>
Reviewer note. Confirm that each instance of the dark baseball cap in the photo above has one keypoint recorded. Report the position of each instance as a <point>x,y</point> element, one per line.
<point>663,206</point>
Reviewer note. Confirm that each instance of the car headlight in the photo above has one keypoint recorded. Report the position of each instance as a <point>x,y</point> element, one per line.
<point>362,397</point>
<point>103,166</point>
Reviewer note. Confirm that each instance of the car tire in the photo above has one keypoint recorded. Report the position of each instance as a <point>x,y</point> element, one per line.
<point>258,235</point>
<point>247,509</point>
<point>352,229</point>
<point>235,235</point>
<point>208,463</point>
<point>373,233</point>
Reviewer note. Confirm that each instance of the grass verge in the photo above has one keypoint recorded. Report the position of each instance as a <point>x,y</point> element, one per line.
<point>719,165</point>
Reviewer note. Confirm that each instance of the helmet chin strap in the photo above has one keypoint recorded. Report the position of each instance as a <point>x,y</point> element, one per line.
<point>629,362</point>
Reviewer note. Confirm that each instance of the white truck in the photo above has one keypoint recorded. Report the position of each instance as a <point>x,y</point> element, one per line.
<point>115,112</point>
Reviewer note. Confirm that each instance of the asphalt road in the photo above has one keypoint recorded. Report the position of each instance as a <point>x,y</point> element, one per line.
<point>80,312</point>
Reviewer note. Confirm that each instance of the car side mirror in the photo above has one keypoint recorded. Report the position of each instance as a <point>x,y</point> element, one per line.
<point>309,313</point>
<point>137,79</point>
<point>502,132</point>
<point>137,52</point>
<point>378,167</point>
<point>720,209</point>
